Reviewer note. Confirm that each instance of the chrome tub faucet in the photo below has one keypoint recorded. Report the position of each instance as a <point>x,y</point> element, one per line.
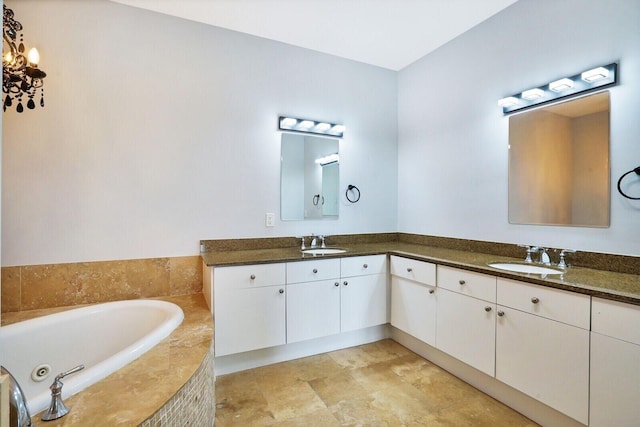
<point>57,408</point>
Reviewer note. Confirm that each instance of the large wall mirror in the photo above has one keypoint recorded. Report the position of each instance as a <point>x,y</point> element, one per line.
<point>559,164</point>
<point>309,177</point>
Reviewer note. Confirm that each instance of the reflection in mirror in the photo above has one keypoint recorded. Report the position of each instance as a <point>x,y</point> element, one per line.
<point>309,178</point>
<point>559,164</point>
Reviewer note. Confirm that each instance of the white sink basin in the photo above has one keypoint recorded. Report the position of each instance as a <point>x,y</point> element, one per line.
<point>323,251</point>
<point>525,268</point>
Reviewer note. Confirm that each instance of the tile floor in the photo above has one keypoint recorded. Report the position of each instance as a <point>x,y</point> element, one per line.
<point>378,384</point>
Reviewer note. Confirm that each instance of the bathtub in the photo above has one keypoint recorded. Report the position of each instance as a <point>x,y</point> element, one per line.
<point>102,337</point>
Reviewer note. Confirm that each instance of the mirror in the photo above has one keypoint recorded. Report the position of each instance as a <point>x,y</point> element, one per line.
<point>309,177</point>
<point>559,164</point>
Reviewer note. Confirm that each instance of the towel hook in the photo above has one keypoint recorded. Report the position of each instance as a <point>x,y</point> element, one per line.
<point>637,171</point>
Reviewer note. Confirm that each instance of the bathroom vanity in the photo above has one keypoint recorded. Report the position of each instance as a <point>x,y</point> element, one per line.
<point>546,340</point>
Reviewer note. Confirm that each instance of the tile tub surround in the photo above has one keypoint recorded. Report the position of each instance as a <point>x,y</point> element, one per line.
<point>35,287</point>
<point>622,286</point>
<point>157,384</point>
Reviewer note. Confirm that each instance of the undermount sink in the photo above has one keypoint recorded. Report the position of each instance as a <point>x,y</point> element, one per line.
<point>323,251</point>
<point>525,268</point>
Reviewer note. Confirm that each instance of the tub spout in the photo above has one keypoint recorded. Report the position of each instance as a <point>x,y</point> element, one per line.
<point>18,412</point>
<point>57,408</point>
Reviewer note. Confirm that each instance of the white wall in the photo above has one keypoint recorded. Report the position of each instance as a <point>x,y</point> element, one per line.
<point>452,149</point>
<point>159,132</point>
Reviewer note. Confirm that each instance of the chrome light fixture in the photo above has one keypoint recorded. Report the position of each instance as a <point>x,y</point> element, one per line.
<point>291,124</point>
<point>20,74</point>
<point>595,78</point>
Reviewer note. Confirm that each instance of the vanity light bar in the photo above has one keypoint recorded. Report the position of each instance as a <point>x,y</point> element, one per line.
<point>327,160</point>
<point>310,126</point>
<point>589,80</point>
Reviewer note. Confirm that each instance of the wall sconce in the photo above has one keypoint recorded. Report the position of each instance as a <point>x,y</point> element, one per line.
<point>310,126</point>
<point>586,81</point>
<point>20,74</point>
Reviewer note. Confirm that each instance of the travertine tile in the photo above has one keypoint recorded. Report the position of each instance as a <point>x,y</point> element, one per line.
<point>101,281</point>
<point>10,289</point>
<point>148,277</point>
<point>48,285</point>
<point>185,275</point>
<point>377,384</point>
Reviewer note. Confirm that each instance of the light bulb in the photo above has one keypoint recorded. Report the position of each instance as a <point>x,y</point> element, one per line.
<point>33,56</point>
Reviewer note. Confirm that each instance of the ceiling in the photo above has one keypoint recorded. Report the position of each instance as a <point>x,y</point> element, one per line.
<point>387,33</point>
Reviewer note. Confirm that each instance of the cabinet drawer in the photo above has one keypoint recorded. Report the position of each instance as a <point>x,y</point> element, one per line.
<point>555,304</point>
<point>363,265</point>
<point>616,319</point>
<point>248,276</point>
<point>475,285</point>
<point>309,271</point>
<point>419,271</point>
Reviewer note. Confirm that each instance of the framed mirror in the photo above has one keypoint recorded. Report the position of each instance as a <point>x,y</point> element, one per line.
<point>309,177</point>
<point>559,164</point>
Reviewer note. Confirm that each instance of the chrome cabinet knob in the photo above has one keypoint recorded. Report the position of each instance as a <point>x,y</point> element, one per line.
<point>462,282</point>
<point>431,291</point>
<point>365,266</point>
<point>336,284</point>
<point>253,276</point>
<point>315,270</point>
<point>487,309</point>
<point>500,313</point>
<point>535,300</point>
<point>281,291</point>
<point>345,283</point>
<point>409,270</point>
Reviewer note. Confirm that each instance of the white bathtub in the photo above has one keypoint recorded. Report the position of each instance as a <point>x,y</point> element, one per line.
<point>103,337</point>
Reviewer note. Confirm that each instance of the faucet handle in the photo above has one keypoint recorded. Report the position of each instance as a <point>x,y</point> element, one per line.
<point>302,246</point>
<point>530,250</point>
<point>69,372</point>
<point>57,408</point>
<point>322,243</point>
<point>562,263</point>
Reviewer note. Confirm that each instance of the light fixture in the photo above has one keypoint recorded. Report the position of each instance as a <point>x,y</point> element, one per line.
<point>590,80</point>
<point>561,85</point>
<point>292,124</point>
<point>532,94</point>
<point>20,75</point>
<point>595,74</point>
<point>327,160</point>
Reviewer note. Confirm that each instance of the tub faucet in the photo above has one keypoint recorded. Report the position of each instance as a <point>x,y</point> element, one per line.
<point>18,412</point>
<point>57,408</point>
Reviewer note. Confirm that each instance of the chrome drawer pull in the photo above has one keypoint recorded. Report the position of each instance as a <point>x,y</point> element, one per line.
<point>281,291</point>
<point>487,309</point>
<point>336,284</point>
<point>431,291</point>
<point>535,300</point>
<point>500,313</point>
<point>409,270</point>
<point>253,276</point>
<point>462,282</point>
<point>315,270</point>
<point>365,266</point>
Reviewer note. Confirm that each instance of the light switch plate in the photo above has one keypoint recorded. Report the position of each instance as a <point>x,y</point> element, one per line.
<point>269,220</point>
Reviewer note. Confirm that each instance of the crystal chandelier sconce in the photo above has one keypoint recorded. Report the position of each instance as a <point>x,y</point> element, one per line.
<point>21,76</point>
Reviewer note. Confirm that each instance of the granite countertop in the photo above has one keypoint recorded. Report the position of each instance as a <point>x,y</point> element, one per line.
<point>607,284</point>
<point>135,392</point>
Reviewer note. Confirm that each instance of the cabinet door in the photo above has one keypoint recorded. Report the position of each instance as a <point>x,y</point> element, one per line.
<point>545,359</point>
<point>413,309</point>
<point>313,310</point>
<point>466,329</point>
<point>249,319</point>
<point>615,382</point>
<point>363,302</point>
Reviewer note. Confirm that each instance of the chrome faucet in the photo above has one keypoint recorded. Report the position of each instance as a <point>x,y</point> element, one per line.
<point>544,257</point>
<point>57,408</point>
<point>18,411</point>
<point>530,250</point>
<point>314,241</point>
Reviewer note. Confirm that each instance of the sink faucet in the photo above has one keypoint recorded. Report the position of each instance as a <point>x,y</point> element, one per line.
<point>544,257</point>
<point>530,250</point>
<point>562,263</point>
<point>57,408</point>
<point>18,411</point>
<point>314,241</point>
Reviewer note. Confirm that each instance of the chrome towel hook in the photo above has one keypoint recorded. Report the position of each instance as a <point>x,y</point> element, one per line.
<point>637,171</point>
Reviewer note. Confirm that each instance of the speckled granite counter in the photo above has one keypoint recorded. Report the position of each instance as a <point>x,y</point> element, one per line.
<point>140,390</point>
<point>606,284</point>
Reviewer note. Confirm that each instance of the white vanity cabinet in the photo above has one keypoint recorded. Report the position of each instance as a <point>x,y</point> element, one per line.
<point>615,364</point>
<point>413,298</point>
<point>542,345</point>
<point>313,299</point>
<point>466,326</point>
<point>248,307</point>
<point>364,292</point>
